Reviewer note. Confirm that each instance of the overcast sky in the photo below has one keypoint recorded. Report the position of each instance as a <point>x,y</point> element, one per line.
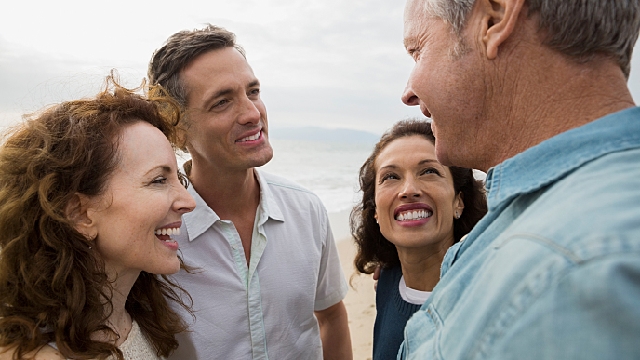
<point>329,63</point>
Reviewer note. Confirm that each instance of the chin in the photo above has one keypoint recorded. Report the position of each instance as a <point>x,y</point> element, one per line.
<point>442,155</point>
<point>169,268</point>
<point>263,158</point>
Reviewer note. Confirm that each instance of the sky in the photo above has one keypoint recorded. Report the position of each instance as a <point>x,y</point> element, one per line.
<point>327,63</point>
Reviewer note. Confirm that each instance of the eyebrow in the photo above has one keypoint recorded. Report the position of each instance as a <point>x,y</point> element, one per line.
<point>409,43</point>
<point>228,91</point>
<point>164,168</point>
<point>422,162</point>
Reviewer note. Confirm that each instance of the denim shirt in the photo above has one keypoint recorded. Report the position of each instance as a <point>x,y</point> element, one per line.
<point>553,270</point>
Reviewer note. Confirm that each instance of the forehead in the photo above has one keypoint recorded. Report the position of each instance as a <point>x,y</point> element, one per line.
<point>406,150</point>
<point>415,21</point>
<point>142,146</point>
<point>215,72</point>
<point>218,68</point>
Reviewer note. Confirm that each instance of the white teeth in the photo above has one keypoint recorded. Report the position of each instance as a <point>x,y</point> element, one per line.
<point>168,231</point>
<point>414,215</point>
<point>252,137</point>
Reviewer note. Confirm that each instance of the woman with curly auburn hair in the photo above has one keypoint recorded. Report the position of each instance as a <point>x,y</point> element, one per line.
<point>90,195</point>
<point>412,210</point>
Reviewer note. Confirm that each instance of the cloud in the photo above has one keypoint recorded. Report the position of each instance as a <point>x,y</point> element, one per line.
<point>331,63</point>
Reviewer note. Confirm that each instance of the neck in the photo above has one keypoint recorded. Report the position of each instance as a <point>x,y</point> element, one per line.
<point>119,320</point>
<point>421,267</point>
<point>557,96</point>
<point>230,194</point>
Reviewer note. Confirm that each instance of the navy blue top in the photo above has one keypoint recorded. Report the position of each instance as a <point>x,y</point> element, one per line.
<point>393,313</point>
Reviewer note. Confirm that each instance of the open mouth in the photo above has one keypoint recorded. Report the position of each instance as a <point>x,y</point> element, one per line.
<point>164,234</point>
<point>168,231</point>
<point>254,137</point>
<point>424,110</point>
<point>413,215</point>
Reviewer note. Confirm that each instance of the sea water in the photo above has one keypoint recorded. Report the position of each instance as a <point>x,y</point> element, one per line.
<point>329,169</point>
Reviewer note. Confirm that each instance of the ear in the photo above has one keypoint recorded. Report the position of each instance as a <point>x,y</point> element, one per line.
<point>80,212</point>
<point>499,18</point>
<point>375,216</point>
<point>458,204</point>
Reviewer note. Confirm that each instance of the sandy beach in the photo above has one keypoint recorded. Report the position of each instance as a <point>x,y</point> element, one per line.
<point>360,300</point>
<point>360,303</point>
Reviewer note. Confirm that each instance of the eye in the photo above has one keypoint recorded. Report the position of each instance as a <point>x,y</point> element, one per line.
<point>254,92</point>
<point>414,53</point>
<point>161,180</point>
<point>430,170</point>
<point>388,176</point>
<point>220,104</point>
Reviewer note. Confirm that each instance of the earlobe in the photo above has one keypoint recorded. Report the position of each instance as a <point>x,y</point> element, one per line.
<point>78,212</point>
<point>458,205</point>
<point>499,20</point>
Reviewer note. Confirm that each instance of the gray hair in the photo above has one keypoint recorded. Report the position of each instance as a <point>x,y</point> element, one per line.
<point>180,49</point>
<point>579,29</point>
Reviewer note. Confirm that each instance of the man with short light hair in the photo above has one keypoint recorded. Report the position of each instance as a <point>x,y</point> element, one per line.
<point>267,282</point>
<point>534,92</point>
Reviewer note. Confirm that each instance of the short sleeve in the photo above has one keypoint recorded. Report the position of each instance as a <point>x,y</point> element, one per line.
<point>332,285</point>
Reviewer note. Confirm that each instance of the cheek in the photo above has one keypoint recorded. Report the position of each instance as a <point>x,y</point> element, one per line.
<point>379,201</point>
<point>422,79</point>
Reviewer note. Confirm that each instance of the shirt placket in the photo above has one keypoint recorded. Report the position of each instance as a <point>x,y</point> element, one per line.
<point>254,299</point>
<point>251,281</point>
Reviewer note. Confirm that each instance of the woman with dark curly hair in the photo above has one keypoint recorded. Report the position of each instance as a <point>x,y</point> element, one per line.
<point>90,196</point>
<point>412,210</point>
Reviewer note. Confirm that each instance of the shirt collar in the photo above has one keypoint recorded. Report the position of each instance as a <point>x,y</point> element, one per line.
<point>203,217</point>
<point>267,201</point>
<point>554,158</point>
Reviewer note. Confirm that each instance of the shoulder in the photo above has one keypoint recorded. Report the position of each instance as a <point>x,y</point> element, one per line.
<point>279,183</point>
<point>289,193</point>
<point>590,213</point>
<point>45,353</point>
<point>389,277</point>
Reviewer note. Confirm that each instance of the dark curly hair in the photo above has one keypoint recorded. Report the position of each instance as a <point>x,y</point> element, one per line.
<point>53,285</point>
<point>373,249</point>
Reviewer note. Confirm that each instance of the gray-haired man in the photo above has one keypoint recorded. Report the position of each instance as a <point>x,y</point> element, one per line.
<point>535,93</point>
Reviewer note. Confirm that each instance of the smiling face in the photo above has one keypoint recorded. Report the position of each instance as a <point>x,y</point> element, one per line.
<point>227,120</point>
<point>132,221</point>
<point>414,196</point>
<point>447,82</point>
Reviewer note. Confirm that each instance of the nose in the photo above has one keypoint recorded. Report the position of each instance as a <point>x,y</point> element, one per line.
<point>409,97</point>
<point>409,189</point>
<point>250,113</point>
<point>183,202</point>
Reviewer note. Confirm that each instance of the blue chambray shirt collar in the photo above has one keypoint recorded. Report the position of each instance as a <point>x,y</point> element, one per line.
<point>554,158</point>
<point>549,161</point>
<point>203,217</point>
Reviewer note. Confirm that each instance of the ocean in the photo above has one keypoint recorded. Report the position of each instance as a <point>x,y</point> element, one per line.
<point>325,161</point>
<point>329,169</point>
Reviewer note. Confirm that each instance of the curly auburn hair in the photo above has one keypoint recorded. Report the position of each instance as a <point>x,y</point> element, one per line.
<point>53,285</point>
<point>373,249</point>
